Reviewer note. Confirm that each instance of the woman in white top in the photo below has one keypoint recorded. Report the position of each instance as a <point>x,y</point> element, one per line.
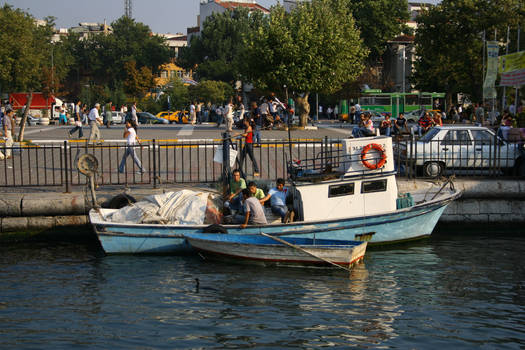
<point>130,134</point>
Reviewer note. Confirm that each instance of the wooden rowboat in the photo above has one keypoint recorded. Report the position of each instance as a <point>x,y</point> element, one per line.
<point>283,251</point>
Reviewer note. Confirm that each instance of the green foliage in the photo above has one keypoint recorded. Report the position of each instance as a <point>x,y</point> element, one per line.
<point>379,21</point>
<point>211,91</point>
<point>218,53</point>
<point>452,63</point>
<point>150,105</point>
<point>315,48</point>
<point>25,48</point>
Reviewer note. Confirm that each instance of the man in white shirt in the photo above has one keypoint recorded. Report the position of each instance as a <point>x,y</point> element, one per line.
<point>94,119</point>
<point>193,115</point>
<point>130,134</point>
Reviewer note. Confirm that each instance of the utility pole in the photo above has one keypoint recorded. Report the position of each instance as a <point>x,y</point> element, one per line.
<point>127,9</point>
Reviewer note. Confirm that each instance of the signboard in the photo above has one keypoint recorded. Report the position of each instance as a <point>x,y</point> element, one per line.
<point>512,69</point>
<point>492,70</point>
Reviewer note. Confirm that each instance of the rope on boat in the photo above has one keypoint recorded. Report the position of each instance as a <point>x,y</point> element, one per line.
<point>449,181</point>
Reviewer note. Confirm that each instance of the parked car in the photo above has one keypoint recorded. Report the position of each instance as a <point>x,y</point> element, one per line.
<point>117,117</point>
<point>175,116</point>
<point>168,115</point>
<point>148,118</point>
<point>460,147</point>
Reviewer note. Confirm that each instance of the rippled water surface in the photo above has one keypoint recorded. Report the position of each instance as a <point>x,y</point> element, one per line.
<point>455,290</point>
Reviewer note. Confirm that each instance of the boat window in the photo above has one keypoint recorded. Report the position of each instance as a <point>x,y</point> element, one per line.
<point>340,190</point>
<point>373,186</point>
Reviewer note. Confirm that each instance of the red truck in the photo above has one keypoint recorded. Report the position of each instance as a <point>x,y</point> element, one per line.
<point>38,103</point>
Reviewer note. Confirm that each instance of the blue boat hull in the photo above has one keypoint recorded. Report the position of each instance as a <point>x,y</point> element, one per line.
<point>401,225</point>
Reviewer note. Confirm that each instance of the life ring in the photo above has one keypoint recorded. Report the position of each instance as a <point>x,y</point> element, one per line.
<point>382,155</point>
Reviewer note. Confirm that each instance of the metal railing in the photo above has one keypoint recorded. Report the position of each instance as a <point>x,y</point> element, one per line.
<point>193,161</point>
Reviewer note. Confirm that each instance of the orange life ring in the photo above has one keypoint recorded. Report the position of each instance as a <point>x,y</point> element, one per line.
<point>382,154</point>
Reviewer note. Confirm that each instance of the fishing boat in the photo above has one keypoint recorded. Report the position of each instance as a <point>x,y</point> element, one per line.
<point>285,251</point>
<point>348,195</point>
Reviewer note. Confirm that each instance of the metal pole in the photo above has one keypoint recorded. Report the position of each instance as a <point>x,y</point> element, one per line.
<point>226,171</point>
<point>317,107</point>
<point>154,164</point>
<point>66,168</point>
<point>404,63</point>
<point>504,97</point>
<point>493,97</point>
<point>516,96</point>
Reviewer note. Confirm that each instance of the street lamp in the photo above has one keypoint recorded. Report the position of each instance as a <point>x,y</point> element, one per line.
<point>404,64</point>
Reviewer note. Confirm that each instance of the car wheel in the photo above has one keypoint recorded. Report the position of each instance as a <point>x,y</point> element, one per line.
<point>433,169</point>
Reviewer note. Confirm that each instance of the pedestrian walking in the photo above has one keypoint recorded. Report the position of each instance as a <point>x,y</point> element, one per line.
<point>193,114</point>
<point>130,134</point>
<point>248,145</point>
<point>77,115</point>
<point>108,117</point>
<point>8,126</point>
<point>228,115</point>
<point>94,119</point>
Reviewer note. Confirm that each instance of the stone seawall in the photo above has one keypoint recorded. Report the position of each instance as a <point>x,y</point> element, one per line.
<point>483,202</point>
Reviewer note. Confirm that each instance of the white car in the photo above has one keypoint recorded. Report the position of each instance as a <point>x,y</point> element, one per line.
<point>460,147</point>
<point>117,117</point>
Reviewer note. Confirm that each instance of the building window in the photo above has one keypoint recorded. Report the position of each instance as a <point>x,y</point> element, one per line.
<point>173,74</point>
<point>340,190</point>
<point>373,186</point>
<point>164,74</point>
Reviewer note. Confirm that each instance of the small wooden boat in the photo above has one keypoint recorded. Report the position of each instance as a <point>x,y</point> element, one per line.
<point>284,251</point>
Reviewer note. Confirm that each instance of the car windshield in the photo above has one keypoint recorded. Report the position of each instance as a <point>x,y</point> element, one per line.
<point>429,135</point>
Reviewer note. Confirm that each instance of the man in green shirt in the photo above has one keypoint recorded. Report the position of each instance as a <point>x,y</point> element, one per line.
<point>256,192</point>
<point>234,197</point>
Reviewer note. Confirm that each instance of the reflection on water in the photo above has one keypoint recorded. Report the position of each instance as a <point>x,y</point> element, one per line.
<point>459,290</point>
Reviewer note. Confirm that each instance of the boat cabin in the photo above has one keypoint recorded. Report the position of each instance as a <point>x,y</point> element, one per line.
<point>357,179</point>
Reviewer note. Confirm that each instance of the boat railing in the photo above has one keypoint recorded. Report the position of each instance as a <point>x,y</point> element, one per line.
<point>328,166</point>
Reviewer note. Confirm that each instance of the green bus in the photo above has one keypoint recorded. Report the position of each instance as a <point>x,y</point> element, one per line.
<point>396,102</point>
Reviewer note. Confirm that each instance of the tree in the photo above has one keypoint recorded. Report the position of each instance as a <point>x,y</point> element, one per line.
<point>218,53</point>
<point>211,91</point>
<point>452,63</point>
<point>138,81</point>
<point>379,21</point>
<point>315,48</point>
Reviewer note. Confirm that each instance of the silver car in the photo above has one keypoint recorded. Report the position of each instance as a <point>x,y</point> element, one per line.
<point>460,147</point>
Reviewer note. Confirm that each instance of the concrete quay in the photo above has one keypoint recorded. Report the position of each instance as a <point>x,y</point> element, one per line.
<point>33,210</point>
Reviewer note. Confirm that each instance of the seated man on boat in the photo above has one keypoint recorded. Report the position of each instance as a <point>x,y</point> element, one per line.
<point>255,191</point>
<point>277,197</point>
<point>233,197</point>
<point>253,212</point>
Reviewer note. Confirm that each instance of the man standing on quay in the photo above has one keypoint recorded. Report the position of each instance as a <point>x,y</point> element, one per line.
<point>94,119</point>
<point>8,126</point>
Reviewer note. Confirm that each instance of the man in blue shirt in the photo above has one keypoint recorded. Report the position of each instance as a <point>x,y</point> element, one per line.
<point>277,196</point>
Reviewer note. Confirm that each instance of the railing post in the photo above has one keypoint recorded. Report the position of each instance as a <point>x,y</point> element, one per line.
<point>154,164</point>
<point>226,171</point>
<point>66,170</point>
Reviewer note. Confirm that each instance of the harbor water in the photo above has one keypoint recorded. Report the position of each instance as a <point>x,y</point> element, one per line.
<point>458,290</point>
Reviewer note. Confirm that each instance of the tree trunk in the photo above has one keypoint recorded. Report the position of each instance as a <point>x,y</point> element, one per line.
<point>23,122</point>
<point>303,109</point>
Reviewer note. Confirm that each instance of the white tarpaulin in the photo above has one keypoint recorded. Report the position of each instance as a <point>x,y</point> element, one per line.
<point>185,207</point>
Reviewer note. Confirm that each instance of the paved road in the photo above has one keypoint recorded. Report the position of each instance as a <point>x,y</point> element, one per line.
<point>185,132</point>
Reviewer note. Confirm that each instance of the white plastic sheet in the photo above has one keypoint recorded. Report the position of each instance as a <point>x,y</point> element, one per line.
<point>184,207</point>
